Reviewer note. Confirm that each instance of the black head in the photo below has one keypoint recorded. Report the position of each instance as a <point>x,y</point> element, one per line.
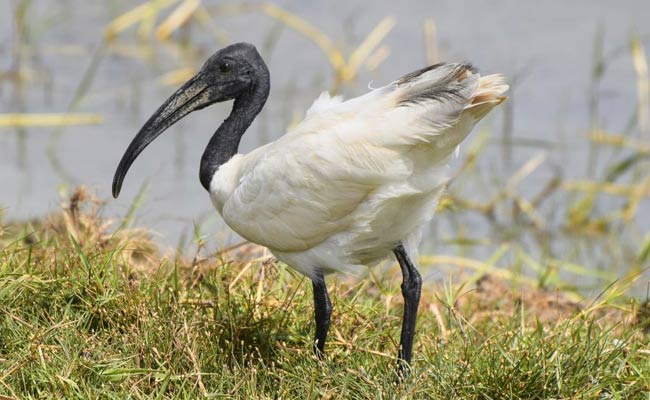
<point>233,72</point>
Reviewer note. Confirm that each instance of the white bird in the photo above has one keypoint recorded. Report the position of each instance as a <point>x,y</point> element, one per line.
<point>355,181</point>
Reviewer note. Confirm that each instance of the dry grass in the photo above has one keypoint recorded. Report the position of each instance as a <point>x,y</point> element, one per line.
<point>92,308</point>
<point>91,313</point>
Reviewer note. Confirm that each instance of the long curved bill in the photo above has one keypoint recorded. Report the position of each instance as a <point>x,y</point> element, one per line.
<point>193,95</point>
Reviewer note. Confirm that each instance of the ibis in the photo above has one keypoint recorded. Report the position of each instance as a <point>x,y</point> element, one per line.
<point>353,183</point>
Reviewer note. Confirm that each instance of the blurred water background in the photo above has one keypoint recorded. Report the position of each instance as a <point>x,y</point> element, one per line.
<point>519,201</point>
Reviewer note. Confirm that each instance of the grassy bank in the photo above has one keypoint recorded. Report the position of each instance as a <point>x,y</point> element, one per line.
<point>549,257</point>
<point>90,314</point>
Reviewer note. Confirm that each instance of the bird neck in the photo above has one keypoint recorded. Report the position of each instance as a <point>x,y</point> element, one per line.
<point>225,142</point>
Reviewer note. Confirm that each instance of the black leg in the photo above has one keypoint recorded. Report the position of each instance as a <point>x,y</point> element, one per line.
<point>322,312</point>
<point>411,288</point>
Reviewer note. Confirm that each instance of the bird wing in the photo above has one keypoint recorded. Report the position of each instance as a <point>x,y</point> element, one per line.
<point>296,195</point>
<point>305,187</point>
<point>435,105</point>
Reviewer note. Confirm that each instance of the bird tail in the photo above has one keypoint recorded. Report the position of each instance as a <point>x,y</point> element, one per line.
<point>489,94</point>
<point>459,85</point>
<point>442,83</point>
<point>443,102</point>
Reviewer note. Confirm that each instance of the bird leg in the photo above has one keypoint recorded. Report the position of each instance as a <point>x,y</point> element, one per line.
<point>411,289</point>
<point>322,312</point>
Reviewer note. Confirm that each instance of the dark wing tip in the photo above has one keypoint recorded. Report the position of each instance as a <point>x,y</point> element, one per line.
<point>445,86</point>
<point>413,76</point>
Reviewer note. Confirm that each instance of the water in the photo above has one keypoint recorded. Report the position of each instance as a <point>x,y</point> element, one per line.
<point>546,48</point>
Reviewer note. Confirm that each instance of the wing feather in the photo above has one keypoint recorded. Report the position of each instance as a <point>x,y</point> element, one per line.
<point>347,155</point>
<point>296,196</point>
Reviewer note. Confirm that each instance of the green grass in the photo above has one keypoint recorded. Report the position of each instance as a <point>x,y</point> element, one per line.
<point>87,314</point>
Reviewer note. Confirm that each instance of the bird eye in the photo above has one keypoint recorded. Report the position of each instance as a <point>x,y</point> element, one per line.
<point>224,66</point>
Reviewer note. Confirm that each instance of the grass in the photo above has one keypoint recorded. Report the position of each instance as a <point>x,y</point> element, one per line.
<point>548,298</point>
<point>86,313</point>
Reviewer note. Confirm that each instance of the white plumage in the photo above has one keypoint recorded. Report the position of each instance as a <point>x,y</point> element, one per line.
<point>355,177</point>
<point>353,182</point>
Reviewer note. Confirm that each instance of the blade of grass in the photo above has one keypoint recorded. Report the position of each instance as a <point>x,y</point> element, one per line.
<point>362,52</point>
<point>49,119</point>
<point>177,18</point>
<point>431,41</point>
<point>642,85</point>
<point>334,55</point>
<point>134,16</point>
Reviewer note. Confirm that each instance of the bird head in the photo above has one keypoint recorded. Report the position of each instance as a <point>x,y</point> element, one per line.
<point>230,73</point>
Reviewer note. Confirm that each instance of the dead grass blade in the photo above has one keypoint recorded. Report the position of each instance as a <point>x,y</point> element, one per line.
<point>136,15</point>
<point>618,140</point>
<point>344,70</point>
<point>362,52</point>
<point>642,86</point>
<point>377,57</point>
<point>431,41</point>
<point>177,18</point>
<point>48,119</point>
<point>334,55</point>
<point>612,189</point>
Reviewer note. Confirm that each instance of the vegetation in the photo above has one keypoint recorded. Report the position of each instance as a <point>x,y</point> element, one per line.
<point>549,296</point>
<point>90,314</point>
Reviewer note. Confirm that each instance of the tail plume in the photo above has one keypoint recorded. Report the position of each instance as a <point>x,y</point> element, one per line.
<point>441,82</point>
<point>489,94</point>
